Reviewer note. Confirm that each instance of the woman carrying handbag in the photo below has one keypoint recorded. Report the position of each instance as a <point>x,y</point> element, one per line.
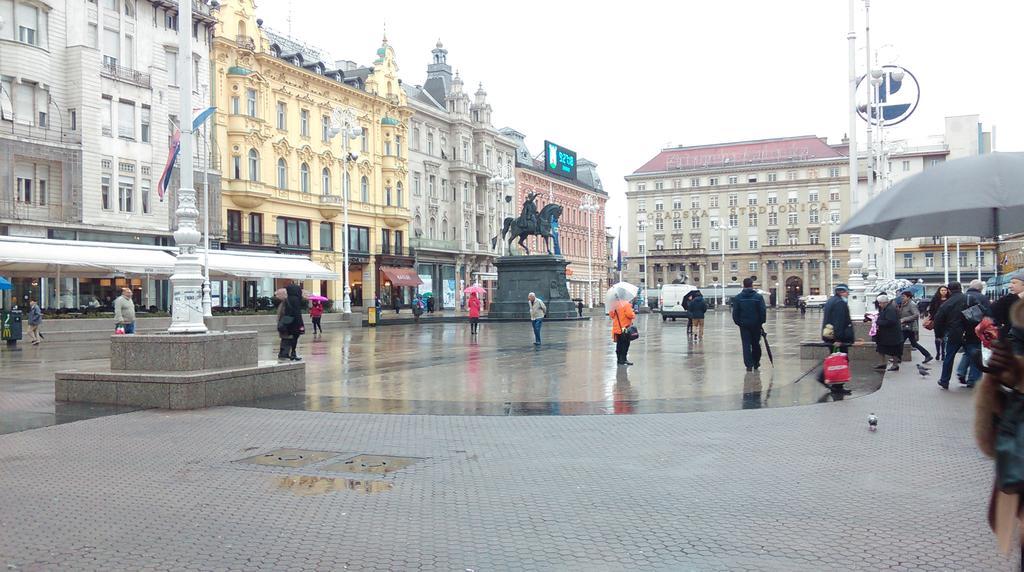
<point>623,331</point>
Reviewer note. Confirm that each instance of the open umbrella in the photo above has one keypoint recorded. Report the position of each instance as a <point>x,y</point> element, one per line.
<point>427,294</point>
<point>974,196</point>
<point>5,284</point>
<point>317,298</point>
<point>620,292</point>
<point>477,289</point>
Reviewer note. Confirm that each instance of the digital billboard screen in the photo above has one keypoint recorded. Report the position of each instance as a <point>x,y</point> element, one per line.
<point>559,160</point>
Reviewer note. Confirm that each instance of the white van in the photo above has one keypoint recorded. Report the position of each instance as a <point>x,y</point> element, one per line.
<point>671,303</point>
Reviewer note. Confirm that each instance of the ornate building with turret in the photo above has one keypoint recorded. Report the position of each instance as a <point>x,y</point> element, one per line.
<point>286,176</point>
<point>461,178</point>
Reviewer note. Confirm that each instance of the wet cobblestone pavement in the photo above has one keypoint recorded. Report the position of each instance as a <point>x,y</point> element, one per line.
<point>779,488</point>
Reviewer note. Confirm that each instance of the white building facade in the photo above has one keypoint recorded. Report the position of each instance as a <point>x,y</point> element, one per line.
<point>88,93</point>
<point>460,171</point>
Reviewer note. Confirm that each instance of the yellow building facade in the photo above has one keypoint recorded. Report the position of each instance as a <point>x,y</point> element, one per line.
<point>286,175</point>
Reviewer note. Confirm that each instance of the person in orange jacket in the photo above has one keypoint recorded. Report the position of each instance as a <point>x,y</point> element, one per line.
<point>622,318</point>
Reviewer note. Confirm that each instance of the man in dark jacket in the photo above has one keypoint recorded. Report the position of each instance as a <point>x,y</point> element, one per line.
<point>1001,312</point>
<point>836,313</point>
<point>888,336</point>
<point>968,372</point>
<point>950,326</point>
<point>698,308</point>
<point>750,314</point>
<point>294,325</point>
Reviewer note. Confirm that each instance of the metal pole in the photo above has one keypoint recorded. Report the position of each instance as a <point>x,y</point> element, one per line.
<point>958,260</point>
<point>187,280</point>
<point>872,242</point>
<point>856,264</point>
<point>721,247</point>
<point>945,260</point>
<point>346,303</point>
<point>590,254</point>
<point>977,261</point>
<point>207,300</point>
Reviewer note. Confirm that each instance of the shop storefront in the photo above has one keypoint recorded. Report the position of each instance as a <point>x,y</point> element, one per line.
<point>397,285</point>
<point>439,279</point>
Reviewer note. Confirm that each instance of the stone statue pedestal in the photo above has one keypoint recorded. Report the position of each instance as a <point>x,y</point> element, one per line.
<point>543,275</point>
<point>181,371</point>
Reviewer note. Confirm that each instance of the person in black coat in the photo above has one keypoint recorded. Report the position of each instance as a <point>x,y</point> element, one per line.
<point>293,310</point>
<point>837,329</point>
<point>949,325</point>
<point>940,297</point>
<point>889,334</point>
<point>698,308</point>
<point>1001,313</point>
<point>750,314</point>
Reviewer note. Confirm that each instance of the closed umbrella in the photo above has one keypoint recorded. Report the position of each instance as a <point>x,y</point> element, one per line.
<point>974,196</point>
<point>620,292</point>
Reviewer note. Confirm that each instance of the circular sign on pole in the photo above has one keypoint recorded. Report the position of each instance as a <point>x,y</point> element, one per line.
<point>895,96</point>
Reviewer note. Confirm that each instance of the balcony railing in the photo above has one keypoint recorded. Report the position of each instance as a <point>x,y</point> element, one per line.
<point>125,74</point>
<point>394,250</point>
<point>433,244</point>
<point>261,242</point>
<point>246,43</point>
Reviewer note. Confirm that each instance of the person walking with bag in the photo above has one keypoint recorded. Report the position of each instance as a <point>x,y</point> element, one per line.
<point>623,331</point>
<point>750,314</point>
<point>909,315</point>
<point>938,300</point>
<point>837,330</point>
<point>124,312</point>
<point>949,323</point>
<point>35,318</point>
<point>889,338</point>
<point>474,313</point>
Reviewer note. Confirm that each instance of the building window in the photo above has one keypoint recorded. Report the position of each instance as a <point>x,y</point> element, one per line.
<point>325,128</point>
<point>326,236</point>
<point>793,197</point>
<point>812,196</point>
<point>398,194</point>
<point>751,178</point>
<point>734,220</point>
<point>659,245</point>
<point>641,247</point>
<point>773,219</point>
<point>250,102</point>
<point>833,195</point>
<point>773,198</point>
<point>304,122</point>
<point>695,241</point>
<point>641,187</point>
<point>107,115</point>
<point>715,246</point>
<point>734,243</point>
<point>365,140</point>
<point>773,177</point>
<point>695,182</point>
<point>908,258</point>
<point>304,178</point>
<point>836,264</point>
<point>677,224</point>
<point>790,175</point>
<point>359,239</point>
<point>659,205</point>
<point>144,195</point>
<point>659,186</point>
<point>734,200</point>
<point>713,202</point>
<point>126,120</point>
<point>398,149</point>
<point>833,172</point>
<point>812,217</point>
<point>325,181</point>
<point>813,237</point>
<point>125,194</point>
<point>346,186</point>
<point>111,47</point>
<point>794,237</point>
<point>695,201</point>
<point>773,239</point>
<point>282,115</point>
<point>659,224</point>
<point>695,222</point>
<point>364,189</point>
<point>794,218</point>
<point>752,243</point>
<point>387,195</point>
<point>255,228</point>
<point>105,192</point>
<point>293,232</point>
<point>712,181</point>
<point>906,167</point>
<point>234,226</point>
<point>236,105</point>
<point>833,217</point>
<point>752,266</point>
<point>282,174</point>
<point>677,203</point>
<point>980,258</point>
<point>641,205</point>
<point>733,179</point>
<point>236,166</point>
<point>416,190</point>
<point>171,63</point>
<point>929,260</point>
<point>752,220</point>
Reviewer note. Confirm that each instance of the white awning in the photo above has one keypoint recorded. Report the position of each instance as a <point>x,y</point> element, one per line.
<point>236,264</point>
<point>37,256</point>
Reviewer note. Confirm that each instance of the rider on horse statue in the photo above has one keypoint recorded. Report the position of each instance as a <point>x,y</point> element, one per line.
<point>529,218</point>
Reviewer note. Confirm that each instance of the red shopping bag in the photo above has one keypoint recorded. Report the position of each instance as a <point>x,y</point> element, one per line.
<point>837,368</point>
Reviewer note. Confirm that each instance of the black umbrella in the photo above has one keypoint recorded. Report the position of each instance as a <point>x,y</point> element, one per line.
<point>767,347</point>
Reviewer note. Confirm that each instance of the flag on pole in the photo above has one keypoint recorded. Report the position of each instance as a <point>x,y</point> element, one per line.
<point>172,154</point>
<point>618,253</point>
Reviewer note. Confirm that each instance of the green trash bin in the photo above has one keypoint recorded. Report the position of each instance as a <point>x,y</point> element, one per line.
<point>10,326</point>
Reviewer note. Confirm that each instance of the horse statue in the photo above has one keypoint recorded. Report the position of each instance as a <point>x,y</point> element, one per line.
<point>518,227</point>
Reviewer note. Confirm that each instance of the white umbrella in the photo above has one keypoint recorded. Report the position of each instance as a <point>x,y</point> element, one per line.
<point>620,292</point>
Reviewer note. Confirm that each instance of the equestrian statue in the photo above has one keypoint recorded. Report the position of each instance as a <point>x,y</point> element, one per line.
<point>531,222</point>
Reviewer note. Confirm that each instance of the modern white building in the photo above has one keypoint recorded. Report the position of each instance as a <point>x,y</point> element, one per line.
<point>460,173</point>
<point>88,95</point>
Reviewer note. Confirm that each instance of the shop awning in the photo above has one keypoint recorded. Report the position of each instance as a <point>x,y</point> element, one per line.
<point>257,265</point>
<point>36,256</point>
<point>401,276</point>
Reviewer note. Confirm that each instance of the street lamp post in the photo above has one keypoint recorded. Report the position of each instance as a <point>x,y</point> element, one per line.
<point>721,245</point>
<point>343,121</point>
<point>644,218</point>
<point>207,300</point>
<point>590,206</point>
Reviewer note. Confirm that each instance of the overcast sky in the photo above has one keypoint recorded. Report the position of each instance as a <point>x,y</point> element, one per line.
<point>618,81</point>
